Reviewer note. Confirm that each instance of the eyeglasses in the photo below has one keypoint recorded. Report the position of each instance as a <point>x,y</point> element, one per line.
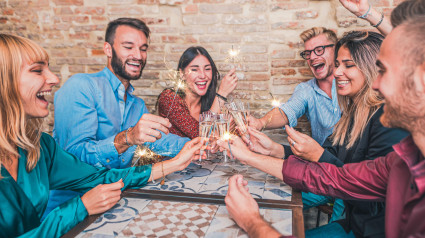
<point>319,50</point>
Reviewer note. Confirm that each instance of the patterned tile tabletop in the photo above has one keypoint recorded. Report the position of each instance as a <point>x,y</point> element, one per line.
<point>137,217</point>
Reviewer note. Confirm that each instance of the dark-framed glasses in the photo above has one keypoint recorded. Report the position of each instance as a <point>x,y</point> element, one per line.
<point>319,50</point>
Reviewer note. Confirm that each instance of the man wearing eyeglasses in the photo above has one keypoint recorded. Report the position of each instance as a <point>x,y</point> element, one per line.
<point>317,98</point>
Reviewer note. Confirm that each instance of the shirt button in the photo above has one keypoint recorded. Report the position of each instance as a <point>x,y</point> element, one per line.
<point>107,160</point>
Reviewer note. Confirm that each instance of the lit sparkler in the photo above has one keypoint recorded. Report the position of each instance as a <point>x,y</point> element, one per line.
<point>226,137</point>
<point>233,56</point>
<point>275,103</point>
<point>143,153</point>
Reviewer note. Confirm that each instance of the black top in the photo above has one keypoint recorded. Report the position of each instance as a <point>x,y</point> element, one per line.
<point>365,219</point>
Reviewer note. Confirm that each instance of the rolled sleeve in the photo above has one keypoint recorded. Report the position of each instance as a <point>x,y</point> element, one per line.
<point>296,105</point>
<point>169,145</point>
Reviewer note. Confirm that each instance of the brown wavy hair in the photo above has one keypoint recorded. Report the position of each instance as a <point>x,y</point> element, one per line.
<point>16,129</point>
<point>364,47</point>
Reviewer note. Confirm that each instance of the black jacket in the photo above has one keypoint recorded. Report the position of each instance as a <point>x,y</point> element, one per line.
<point>365,219</point>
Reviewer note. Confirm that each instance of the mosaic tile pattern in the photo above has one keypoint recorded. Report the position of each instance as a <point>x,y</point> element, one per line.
<point>211,178</point>
<point>171,219</point>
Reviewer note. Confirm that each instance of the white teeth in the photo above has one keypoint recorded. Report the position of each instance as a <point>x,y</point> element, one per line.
<point>343,82</point>
<point>132,63</point>
<point>40,94</point>
<point>201,83</point>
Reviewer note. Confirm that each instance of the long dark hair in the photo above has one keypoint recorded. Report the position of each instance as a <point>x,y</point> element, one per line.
<point>188,55</point>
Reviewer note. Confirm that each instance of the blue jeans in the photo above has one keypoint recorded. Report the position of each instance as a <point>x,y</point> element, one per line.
<point>314,200</point>
<point>329,231</point>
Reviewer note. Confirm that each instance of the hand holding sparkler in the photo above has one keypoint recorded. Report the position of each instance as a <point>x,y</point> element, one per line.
<point>228,83</point>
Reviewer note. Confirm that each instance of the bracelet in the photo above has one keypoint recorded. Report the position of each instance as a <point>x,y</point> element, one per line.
<point>221,97</point>
<point>364,16</point>
<point>163,175</point>
<point>126,141</point>
<point>380,21</point>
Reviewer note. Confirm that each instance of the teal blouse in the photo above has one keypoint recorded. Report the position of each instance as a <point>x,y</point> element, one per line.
<point>22,202</point>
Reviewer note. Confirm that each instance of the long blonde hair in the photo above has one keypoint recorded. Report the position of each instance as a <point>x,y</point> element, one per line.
<point>364,48</point>
<point>16,129</point>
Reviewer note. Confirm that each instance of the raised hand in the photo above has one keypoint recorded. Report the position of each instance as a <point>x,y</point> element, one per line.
<point>239,202</point>
<point>357,7</point>
<point>228,83</point>
<point>102,197</point>
<point>303,145</point>
<point>148,129</point>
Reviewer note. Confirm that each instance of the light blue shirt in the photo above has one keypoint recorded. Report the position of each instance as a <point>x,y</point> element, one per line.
<point>322,111</point>
<point>90,111</point>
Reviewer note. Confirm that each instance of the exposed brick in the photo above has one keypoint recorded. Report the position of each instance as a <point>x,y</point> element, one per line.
<point>76,68</point>
<point>288,5</point>
<point>79,36</point>
<point>258,8</point>
<point>200,20</point>
<point>286,81</point>
<point>3,20</point>
<point>97,52</point>
<point>125,11</point>
<point>290,63</point>
<point>90,10</point>
<point>99,19</point>
<point>252,86</point>
<point>218,39</point>
<point>163,29</point>
<point>68,2</point>
<point>192,31</point>
<point>156,21</point>
<point>286,72</point>
<point>245,20</point>
<point>122,2</point>
<point>172,39</point>
<point>7,11</point>
<point>255,58</point>
<point>220,8</point>
<point>148,2</point>
<point>283,54</point>
<point>208,1</point>
<point>190,9</point>
<point>250,29</point>
<point>288,25</point>
<point>258,77</point>
<point>255,38</point>
<point>301,15</point>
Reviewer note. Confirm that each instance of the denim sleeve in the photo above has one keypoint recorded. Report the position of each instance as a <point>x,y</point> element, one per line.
<point>76,123</point>
<point>296,105</point>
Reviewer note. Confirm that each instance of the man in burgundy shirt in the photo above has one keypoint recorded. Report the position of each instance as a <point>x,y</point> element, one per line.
<point>398,178</point>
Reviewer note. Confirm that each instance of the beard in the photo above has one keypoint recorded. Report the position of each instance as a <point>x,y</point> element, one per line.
<point>118,66</point>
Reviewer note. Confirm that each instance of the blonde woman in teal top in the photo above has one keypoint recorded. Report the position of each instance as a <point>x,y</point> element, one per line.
<point>32,163</point>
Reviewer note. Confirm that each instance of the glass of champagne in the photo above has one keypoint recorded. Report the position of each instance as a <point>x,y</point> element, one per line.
<point>240,113</point>
<point>206,129</point>
<point>222,124</point>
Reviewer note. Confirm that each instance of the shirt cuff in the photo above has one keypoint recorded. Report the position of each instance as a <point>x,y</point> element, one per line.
<point>328,157</point>
<point>106,151</point>
<point>290,114</point>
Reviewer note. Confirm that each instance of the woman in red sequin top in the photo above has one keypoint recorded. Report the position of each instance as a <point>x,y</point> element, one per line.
<point>200,76</point>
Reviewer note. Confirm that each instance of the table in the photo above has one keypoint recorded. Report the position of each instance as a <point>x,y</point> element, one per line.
<point>191,204</point>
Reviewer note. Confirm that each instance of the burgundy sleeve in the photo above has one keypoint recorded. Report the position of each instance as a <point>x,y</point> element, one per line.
<point>179,116</point>
<point>359,181</point>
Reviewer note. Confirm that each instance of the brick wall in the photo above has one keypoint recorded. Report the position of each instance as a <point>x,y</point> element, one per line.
<point>265,31</point>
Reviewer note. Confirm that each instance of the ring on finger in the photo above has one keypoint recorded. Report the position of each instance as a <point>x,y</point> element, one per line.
<point>293,143</point>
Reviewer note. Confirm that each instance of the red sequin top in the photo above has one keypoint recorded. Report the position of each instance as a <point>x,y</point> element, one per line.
<point>183,124</point>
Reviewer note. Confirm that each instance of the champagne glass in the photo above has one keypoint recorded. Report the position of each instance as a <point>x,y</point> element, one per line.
<point>222,124</point>
<point>206,127</point>
<point>240,113</point>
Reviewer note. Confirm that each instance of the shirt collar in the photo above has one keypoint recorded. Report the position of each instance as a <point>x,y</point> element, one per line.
<point>321,92</point>
<point>411,155</point>
<point>115,82</point>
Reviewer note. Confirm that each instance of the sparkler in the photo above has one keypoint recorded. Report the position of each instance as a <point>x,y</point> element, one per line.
<point>226,137</point>
<point>175,76</point>
<point>233,56</point>
<point>143,153</point>
<point>276,104</point>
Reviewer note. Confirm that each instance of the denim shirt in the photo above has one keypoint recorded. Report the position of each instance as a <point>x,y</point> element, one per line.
<point>90,111</point>
<point>322,111</point>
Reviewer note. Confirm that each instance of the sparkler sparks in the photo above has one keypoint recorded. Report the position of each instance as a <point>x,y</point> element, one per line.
<point>146,155</point>
<point>276,104</point>
<point>233,56</point>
